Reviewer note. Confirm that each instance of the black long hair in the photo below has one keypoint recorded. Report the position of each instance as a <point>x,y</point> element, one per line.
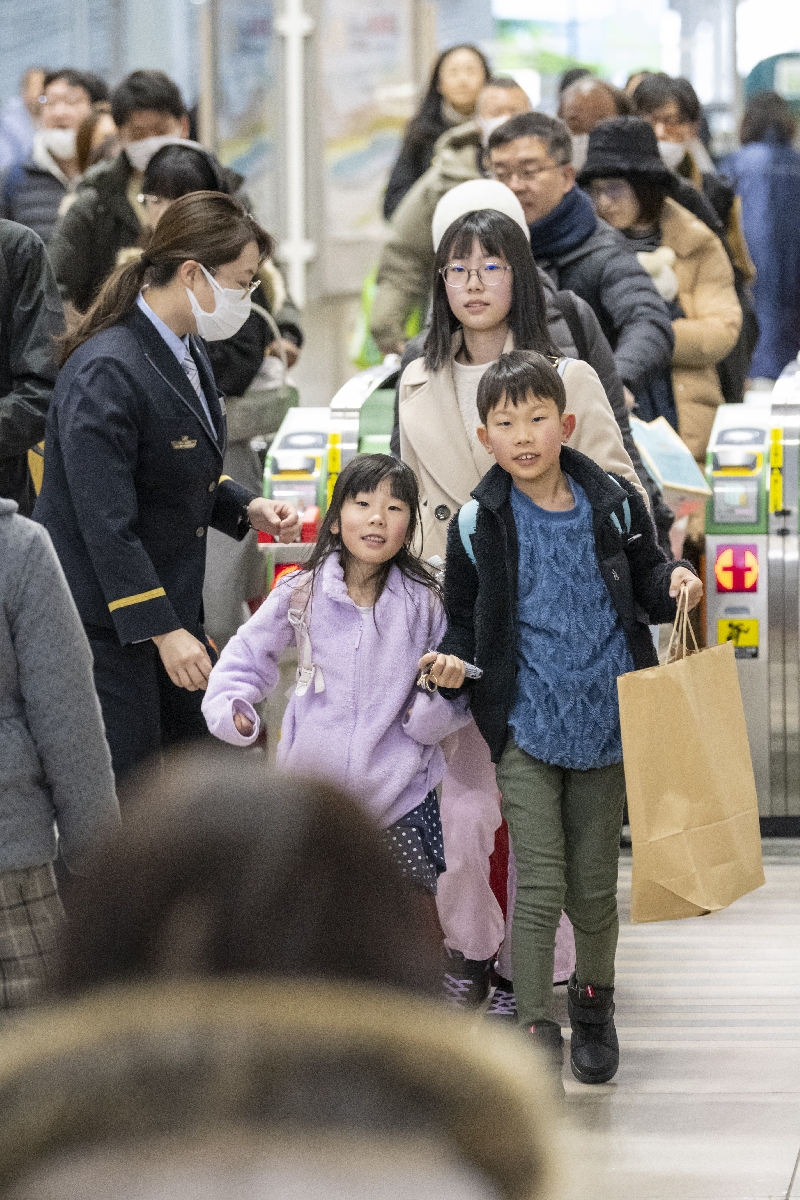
<point>501,237</point>
<point>364,474</point>
<point>426,124</point>
<point>176,170</point>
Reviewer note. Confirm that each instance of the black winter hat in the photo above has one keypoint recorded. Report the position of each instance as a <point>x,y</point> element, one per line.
<point>625,147</point>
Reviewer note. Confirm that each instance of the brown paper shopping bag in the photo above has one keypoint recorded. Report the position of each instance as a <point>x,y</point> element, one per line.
<point>691,792</point>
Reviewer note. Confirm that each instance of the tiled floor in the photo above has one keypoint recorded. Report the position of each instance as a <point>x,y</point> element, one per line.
<point>706,1105</point>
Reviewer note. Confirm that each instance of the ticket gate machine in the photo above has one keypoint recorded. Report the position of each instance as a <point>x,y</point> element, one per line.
<point>753,583</point>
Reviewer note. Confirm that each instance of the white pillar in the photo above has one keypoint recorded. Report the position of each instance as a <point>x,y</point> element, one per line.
<point>294,25</point>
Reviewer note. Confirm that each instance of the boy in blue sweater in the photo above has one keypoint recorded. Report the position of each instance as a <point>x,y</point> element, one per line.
<point>553,575</point>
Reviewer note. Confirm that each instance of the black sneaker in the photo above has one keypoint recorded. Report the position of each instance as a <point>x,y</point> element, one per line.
<point>503,1004</point>
<point>547,1036</point>
<point>466,980</point>
<point>594,1049</point>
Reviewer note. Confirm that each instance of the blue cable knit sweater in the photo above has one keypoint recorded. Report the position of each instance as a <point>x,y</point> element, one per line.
<point>571,645</point>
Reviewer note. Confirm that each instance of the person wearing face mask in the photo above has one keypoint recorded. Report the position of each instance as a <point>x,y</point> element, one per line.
<point>134,447</point>
<point>633,190</point>
<point>585,103</point>
<point>149,112</point>
<point>673,109</point>
<point>33,191</point>
<point>406,263</point>
<point>235,571</point>
<point>532,155</point>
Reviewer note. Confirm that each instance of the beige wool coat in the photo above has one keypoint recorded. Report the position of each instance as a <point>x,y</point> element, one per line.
<point>709,328</point>
<point>434,442</point>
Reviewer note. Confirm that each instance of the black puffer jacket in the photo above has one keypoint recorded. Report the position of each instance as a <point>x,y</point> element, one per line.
<point>31,316</point>
<point>31,195</point>
<point>100,223</point>
<point>632,315</point>
<point>481,600</point>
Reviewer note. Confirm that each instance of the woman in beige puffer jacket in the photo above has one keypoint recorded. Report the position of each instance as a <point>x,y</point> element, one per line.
<point>711,322</point>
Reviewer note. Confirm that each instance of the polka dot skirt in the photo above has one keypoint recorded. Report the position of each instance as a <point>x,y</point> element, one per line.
<point>415,843</point>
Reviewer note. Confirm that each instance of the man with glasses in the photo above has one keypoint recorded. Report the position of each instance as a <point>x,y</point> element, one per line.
<point>32,192</point>
<point>531,154</point>
<point>107,216</point>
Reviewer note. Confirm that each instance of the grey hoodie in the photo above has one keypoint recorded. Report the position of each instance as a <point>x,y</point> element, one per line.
<point>55,767</point>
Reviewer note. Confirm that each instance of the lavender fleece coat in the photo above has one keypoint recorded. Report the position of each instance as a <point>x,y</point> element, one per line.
<point>371,731</point>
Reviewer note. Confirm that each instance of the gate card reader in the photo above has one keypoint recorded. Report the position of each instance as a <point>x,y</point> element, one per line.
<point>753,581</point>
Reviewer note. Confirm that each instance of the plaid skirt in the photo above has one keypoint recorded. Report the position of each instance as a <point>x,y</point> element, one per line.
<point>31,918</point>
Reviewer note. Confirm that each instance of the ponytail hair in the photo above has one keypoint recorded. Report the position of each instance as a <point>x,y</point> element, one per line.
<point>208,227</point>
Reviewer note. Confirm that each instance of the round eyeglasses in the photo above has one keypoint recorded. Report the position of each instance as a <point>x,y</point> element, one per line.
<point>490,274</point>
<point>614,190</point>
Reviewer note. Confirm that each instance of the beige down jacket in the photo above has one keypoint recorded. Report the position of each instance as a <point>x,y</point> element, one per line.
<point>434,443</point>
<point>405,269</point>
<point>710,326</point>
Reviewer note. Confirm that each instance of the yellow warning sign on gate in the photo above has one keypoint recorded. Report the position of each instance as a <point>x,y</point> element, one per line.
<point>743,632</point>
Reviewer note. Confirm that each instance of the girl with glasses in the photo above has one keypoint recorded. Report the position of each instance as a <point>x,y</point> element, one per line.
<point>487,300</point>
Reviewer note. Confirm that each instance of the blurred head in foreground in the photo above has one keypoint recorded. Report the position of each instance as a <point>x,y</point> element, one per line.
<point>263,1089</point>
<point>225,868</point>
<point>234,1017</point>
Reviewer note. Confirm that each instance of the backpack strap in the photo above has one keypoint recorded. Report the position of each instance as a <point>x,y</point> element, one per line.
<point>467,520</point>
<point>626,512</point>
<point>565,303</point>
<point>562,365</point>
<point>307,669</point>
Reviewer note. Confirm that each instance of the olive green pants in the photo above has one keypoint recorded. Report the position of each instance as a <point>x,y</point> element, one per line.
<point>564,827</point>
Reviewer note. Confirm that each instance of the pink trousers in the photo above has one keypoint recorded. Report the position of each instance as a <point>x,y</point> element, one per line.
<point>471,918</point>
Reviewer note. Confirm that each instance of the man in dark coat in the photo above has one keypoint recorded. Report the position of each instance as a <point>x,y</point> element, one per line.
<point>32,191</point>
<point>531,153</point>
<point>31,316</point>
<point>106,216</point>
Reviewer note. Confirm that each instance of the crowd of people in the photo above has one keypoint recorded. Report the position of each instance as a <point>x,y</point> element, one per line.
<point>471,599</point>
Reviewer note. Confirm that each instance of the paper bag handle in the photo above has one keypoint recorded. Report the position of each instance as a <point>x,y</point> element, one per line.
<point>677,638</point>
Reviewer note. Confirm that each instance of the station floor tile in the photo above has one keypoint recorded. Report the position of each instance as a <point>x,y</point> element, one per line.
<point>706,1105</point>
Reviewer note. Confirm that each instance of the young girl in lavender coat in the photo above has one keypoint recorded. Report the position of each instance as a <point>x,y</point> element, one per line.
<point>365,612</point>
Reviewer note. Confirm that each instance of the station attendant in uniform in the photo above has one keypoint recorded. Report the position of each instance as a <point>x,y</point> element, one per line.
<point>133,453</point>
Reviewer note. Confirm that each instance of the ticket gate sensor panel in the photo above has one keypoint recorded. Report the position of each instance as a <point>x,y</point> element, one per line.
<point>753,581</point>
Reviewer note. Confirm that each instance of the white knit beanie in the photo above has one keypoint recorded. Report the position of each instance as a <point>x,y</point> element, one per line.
<point>472,196</point>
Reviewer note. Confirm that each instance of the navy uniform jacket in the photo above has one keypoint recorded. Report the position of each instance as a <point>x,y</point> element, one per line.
<point>132,481</point>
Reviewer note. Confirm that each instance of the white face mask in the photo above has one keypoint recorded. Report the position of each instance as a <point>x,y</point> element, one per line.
<point>580,149</point>
<point>58,142</point>
<point>231,310</point>
<point>672,153</point>
<point>139,153</point>
<point>487,126</point>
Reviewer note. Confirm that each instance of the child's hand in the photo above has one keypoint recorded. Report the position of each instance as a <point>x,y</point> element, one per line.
<point>243,724</point>
<point>680,576</point>
<point>446,669</point>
